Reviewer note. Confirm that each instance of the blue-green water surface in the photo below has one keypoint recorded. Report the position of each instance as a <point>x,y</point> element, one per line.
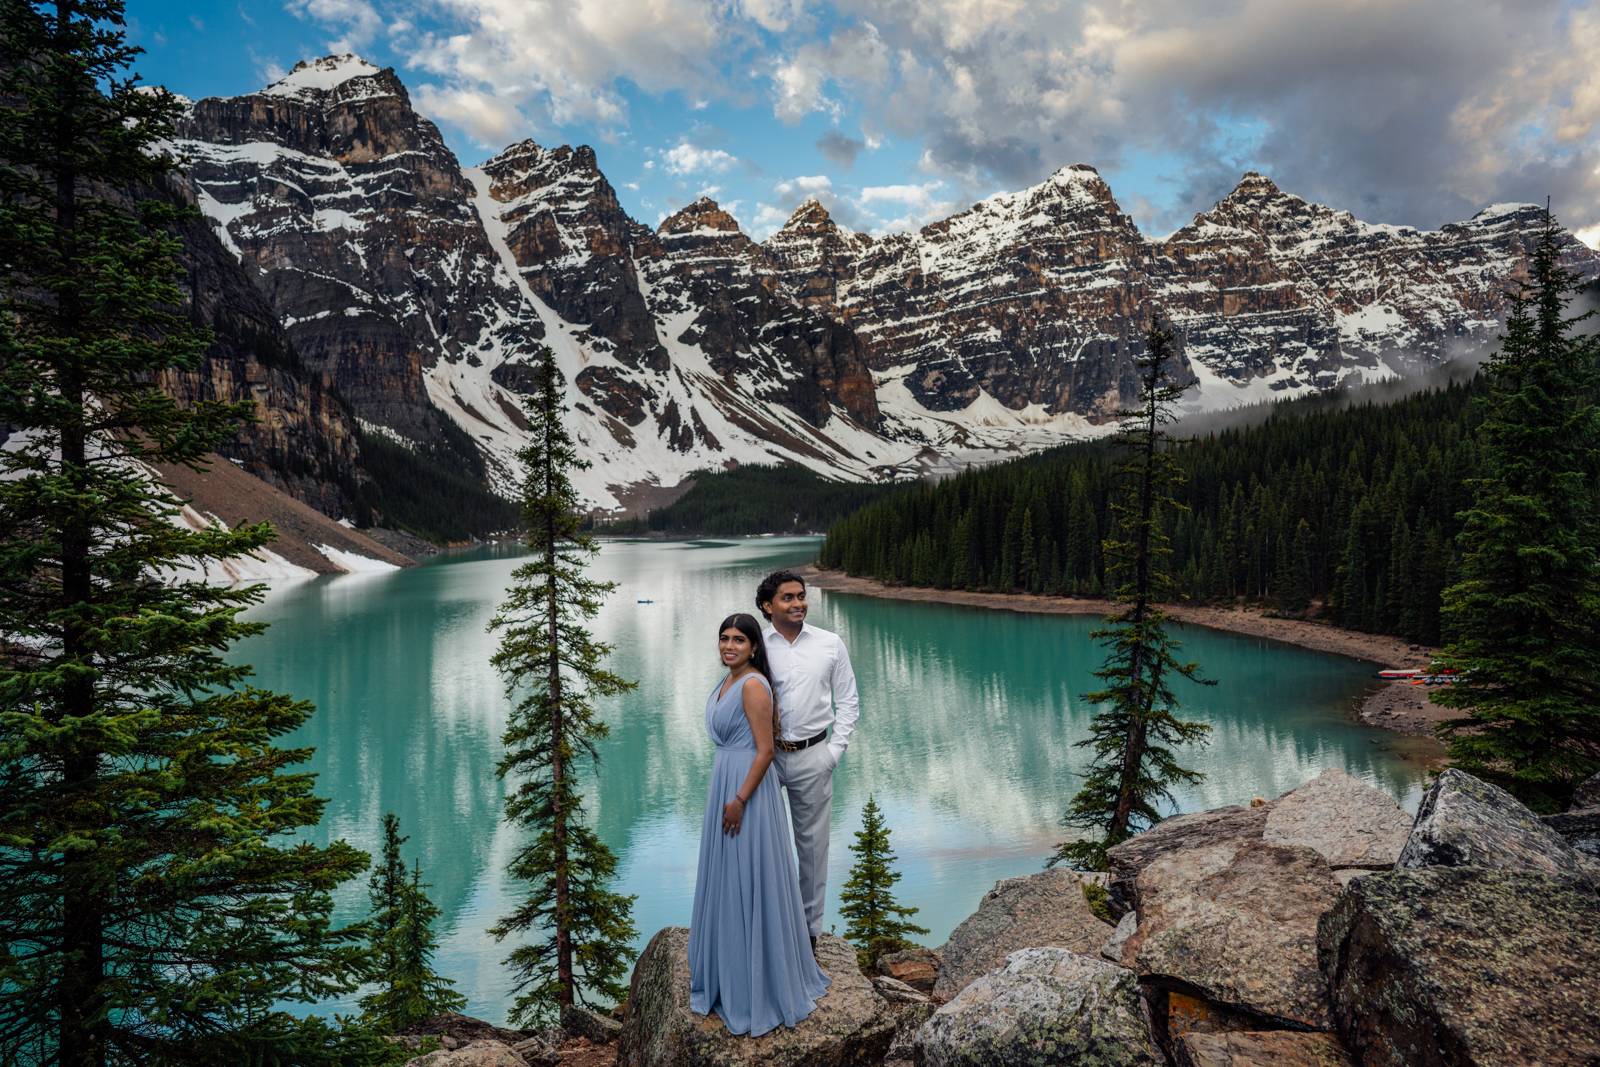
<point>966,735</point>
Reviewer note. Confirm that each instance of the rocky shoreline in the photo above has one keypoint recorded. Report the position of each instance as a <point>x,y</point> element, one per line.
<point>1396,706</point>
<point>1323,928</point>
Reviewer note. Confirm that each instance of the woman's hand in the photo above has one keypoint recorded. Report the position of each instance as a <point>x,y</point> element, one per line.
<point>732,815</point>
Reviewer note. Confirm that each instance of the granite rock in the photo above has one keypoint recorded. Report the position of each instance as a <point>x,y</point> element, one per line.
<point>1587,795</point>
<point>916,967</point>
<point>1261,1048</point>
<point>1581,828</point>
<point>1346,820</point>
<point>1465,821</point>
<point>1465,965</point>
<point>1047,909</point>
<point>851,1026</point>
<point>1230,824</point>
<point>1237,922</point>
<point>1044,1006</point>
<point>1112,949</point>
<point>475,1054</point>
<point>580,1021</point>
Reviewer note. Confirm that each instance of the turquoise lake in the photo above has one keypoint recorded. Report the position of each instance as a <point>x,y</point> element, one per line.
<point>966,734</point>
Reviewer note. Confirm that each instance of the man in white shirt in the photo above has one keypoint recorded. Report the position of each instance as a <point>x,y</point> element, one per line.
<point>816,689</point>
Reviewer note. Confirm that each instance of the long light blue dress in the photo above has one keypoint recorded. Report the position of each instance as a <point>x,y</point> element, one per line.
<point>750,956</point>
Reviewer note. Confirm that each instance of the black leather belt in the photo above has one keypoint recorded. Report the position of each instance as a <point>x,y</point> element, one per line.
<point>797,746</point>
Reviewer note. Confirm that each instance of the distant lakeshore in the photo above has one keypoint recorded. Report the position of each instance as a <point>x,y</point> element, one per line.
<point>1397,706</point>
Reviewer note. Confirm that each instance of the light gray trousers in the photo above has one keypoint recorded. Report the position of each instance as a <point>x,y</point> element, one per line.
<point>807,777</point>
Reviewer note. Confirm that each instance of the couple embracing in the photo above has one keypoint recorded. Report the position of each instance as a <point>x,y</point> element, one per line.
<point>753,935</point>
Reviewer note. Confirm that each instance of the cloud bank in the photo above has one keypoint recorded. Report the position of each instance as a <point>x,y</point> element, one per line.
<point>1407,111</point>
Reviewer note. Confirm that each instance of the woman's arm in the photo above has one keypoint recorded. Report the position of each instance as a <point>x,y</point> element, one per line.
<point>758,709</point>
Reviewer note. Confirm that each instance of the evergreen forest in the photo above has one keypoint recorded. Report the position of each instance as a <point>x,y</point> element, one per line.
<point>1346,503</point>
<point>757,499</point>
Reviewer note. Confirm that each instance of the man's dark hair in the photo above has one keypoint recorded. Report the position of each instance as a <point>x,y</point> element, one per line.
<point>769,588</point>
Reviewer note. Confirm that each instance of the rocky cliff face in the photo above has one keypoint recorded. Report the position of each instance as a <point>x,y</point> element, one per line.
<point>420,291</point>
<point>303,439</point>
<point>1032,298</point>
<point>356,222</point>
<point>1040,297</point>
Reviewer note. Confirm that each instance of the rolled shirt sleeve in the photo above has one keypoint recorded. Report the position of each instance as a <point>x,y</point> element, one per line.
<point>846,701</point>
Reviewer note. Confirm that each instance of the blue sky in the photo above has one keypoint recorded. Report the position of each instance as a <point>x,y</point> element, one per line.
<point>898,112</point>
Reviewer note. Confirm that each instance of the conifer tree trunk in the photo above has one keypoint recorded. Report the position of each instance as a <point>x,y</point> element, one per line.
<point>558,768</point>
<point>1133,750</point>
<point>82,937</point>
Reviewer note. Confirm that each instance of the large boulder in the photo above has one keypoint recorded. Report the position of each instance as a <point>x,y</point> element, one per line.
<point>1466,822</point>
<point>1041,910</point>
<point>1261,1048</point>
<point>1218,826</point>
<point>1045,1006</point>
<point>851,1025</point>
<point>1237,922</point>
<point>1346,820</point>
<point>475,1054</point>
<point>1465,965</point>
<point>580,1021</point>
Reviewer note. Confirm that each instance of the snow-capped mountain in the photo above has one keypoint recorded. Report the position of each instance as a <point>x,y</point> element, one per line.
<point>421,290</point>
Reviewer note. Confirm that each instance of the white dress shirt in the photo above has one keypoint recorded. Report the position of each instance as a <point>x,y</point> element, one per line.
<point>816,685</point>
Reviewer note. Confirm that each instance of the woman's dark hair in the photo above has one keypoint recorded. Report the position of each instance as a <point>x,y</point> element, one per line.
<point>746,624</point>
<point>771,584</point>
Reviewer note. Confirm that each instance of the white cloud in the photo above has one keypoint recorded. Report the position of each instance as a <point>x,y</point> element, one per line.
<point>774,16</point>
<point>1590,236</point>
<point>685,158</point>
<point>560,62</point>
<point>357,21</point>
<point>1418,111</point>
<point>852,59</point>
<point>488,120</point>
<point>804,186</point>
<point>768,219</point>
<point>917,205</point>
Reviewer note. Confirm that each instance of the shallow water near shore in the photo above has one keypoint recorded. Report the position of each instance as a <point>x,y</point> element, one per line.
<point>969,719</point>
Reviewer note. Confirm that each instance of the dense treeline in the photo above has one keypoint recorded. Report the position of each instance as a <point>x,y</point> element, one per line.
<point>1353,506</point>
<point>758,499</point>
<point>438,494</point>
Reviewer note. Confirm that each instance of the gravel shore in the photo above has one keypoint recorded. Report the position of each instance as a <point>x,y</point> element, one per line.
<point>1397,706</point>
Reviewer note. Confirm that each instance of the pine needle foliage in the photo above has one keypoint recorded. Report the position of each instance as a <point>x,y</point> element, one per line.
<point>1525,614</point>
<point>554,673</point>
<point>156,903</point>
<point>876,922</point>
<point>403,944</point>
<point>1132,737</point>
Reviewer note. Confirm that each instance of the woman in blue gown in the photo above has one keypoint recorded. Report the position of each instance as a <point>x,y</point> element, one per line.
<point>750,958</point>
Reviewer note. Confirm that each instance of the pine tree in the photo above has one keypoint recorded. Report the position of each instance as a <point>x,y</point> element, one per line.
<point>553,672</point>
<point>402,943</point>
<point>1525,613</point>
<point>875,921</point>
<point>1134,766</point>
<point>409,990</point>
<point>385,888</point>
<point>157,900</point>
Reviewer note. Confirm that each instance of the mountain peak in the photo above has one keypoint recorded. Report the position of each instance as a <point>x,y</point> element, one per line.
<point>528,154</point>
<point>703,214</point>
<point>810,215</point>
<point>1255,184</point>
<point>311,77</point>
